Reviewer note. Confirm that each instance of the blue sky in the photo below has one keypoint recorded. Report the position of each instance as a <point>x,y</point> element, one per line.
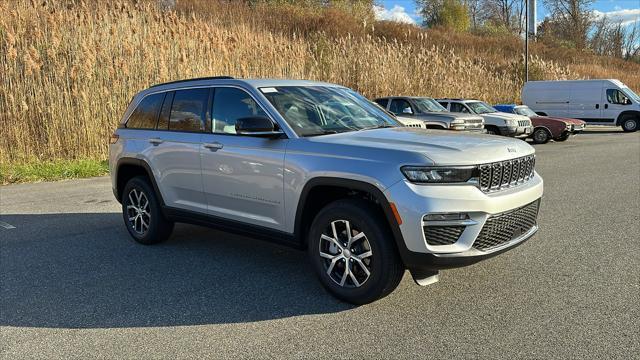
<point>405,10</point>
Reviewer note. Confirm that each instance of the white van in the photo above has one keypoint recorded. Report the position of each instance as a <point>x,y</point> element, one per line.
<point>598,102</point>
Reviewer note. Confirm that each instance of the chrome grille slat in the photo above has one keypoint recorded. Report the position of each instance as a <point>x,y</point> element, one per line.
<point>500,175</point>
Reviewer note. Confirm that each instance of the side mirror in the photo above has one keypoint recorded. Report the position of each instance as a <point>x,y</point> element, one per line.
<point>407,110</point>
<point>257,126</point>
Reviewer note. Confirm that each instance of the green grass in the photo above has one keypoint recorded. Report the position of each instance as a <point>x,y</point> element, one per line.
<point>52,170</point>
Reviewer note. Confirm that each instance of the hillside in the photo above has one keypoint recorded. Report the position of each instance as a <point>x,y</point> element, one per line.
<point>70,68</point>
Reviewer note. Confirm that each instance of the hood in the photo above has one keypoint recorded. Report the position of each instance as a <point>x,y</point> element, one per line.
<point>440,146</point>
<point>566,120</point>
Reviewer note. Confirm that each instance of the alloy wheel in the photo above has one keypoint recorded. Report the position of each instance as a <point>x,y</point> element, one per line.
<point>138,211</point>
<point>346,254</point>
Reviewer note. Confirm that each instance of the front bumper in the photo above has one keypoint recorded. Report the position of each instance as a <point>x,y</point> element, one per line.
<point>516,131</point>
<point>413,202</point>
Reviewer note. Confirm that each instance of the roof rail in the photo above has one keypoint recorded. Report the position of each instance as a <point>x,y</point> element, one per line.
<point>195,79</point>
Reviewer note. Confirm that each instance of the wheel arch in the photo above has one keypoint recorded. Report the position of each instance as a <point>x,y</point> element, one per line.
<point>320,191</point>
<point>127,168</point>
<point>627,113</point>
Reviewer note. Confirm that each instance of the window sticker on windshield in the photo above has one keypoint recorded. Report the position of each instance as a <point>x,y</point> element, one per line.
<point>268,90</point>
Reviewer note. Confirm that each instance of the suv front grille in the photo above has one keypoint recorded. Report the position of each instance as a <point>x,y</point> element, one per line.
<point>502,228</point>
<point>524,122</point>
<point>500,175</point>
<point>442,235</point>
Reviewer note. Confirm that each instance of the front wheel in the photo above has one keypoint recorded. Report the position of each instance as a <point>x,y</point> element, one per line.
<point>564,137</point>
<point>142,213</point>
<point>353,253</point>
<point>630,125</point>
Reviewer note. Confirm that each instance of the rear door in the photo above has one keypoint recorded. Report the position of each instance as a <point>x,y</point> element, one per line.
<point>175,149</point>
<point>243,175</point>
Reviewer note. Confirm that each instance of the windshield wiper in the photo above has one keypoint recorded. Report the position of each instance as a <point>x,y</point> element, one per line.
<point>323,132</point>
<point>380,126</point>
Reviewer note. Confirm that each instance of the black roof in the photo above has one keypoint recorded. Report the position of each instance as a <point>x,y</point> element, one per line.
<point>195,79</point>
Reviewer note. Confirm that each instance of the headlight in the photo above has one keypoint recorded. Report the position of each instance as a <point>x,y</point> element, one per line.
<point>511,122</point>
<point>426,174</point>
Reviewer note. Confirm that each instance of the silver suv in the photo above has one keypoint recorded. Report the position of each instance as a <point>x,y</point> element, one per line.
<point>319,167</point>
<point>496,122</point>
<point>434,115</point>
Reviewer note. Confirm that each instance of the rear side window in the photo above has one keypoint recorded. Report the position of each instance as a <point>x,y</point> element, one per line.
<point>145,115</point>
<point>188,111</point>
<point>382,102</point>
<point>444,104</point>
<point>229,105</point>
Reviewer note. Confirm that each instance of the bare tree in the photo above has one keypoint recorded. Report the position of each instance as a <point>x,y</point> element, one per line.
<point>572,20</point>
<point>507,13</point>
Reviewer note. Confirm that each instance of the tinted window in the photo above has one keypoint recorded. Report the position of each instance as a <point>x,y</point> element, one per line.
<point>457,107</point>
<point>188,112</point>
<point>382,102</point>
<point>229,105</point>
<point>398,105</point>
<point>165,113</point>
<point>146,114</point>
<point>615,96</point>
<point>444,104</point>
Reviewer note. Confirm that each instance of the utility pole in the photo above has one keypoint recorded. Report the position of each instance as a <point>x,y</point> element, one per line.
<point>530,26</point>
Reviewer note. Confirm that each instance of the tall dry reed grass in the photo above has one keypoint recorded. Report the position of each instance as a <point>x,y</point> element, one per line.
<point>69,68</point>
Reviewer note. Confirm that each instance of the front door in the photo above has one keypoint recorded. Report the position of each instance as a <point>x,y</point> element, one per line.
<point>615,102</point>
<point>242,175</point>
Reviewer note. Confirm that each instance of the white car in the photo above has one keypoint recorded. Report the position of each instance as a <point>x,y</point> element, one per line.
<point>598,102</point>
<point>495,122</point>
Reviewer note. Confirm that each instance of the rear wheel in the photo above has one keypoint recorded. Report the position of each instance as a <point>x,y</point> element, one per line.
<point>541,136</point>
<point>142,213</point>
<point>353,253</point>
<point>630,125</point>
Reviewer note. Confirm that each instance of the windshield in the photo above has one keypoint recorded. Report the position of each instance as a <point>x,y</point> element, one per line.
<point>479,107</point>
<point>632,95</point>
<point>428,105</point>
<point>319,110</point>
<point>525,110</point>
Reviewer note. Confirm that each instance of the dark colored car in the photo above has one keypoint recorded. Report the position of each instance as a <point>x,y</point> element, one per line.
<point>545,128</point>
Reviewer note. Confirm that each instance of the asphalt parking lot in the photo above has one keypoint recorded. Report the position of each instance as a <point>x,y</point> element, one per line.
<point>74,285</point>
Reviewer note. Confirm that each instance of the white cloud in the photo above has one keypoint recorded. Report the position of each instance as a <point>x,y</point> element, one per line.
<point>397,13</point>
<point>625,16</point>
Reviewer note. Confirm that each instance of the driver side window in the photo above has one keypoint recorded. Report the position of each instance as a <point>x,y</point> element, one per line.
<point>457,107</point>
<point>229,105</point>
<point>615,96</point>
<point>399,105</point>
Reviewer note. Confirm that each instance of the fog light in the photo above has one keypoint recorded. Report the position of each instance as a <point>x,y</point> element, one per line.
<point>446,217</point>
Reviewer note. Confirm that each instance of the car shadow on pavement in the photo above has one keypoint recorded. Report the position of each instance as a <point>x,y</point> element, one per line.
<point>79,270</point>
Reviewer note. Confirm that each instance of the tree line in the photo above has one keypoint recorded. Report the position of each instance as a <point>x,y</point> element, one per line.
<point>570,23</point>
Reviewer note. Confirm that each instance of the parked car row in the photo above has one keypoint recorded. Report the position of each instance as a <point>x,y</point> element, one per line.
<point>319,167</point>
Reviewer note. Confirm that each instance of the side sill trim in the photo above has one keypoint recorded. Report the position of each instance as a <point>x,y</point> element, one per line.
<point>232,226</point>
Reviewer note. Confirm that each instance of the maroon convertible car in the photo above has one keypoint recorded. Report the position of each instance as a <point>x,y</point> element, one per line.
<point>546,128</point>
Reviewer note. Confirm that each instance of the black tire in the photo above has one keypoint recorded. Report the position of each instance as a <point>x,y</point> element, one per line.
<point>158,227</point>
<point>492,130</point>
<point>564,137</point>
<point>629,124</point>
<point>541,136</point>
<point>384,264</point>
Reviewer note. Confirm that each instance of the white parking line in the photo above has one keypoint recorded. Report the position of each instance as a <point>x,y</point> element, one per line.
<point>6,225</point>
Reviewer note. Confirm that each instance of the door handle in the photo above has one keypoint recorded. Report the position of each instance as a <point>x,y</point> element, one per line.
<point>213,146</point>
<point>597,106</point>
<point>156,141</point>
<point>606,106</point>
